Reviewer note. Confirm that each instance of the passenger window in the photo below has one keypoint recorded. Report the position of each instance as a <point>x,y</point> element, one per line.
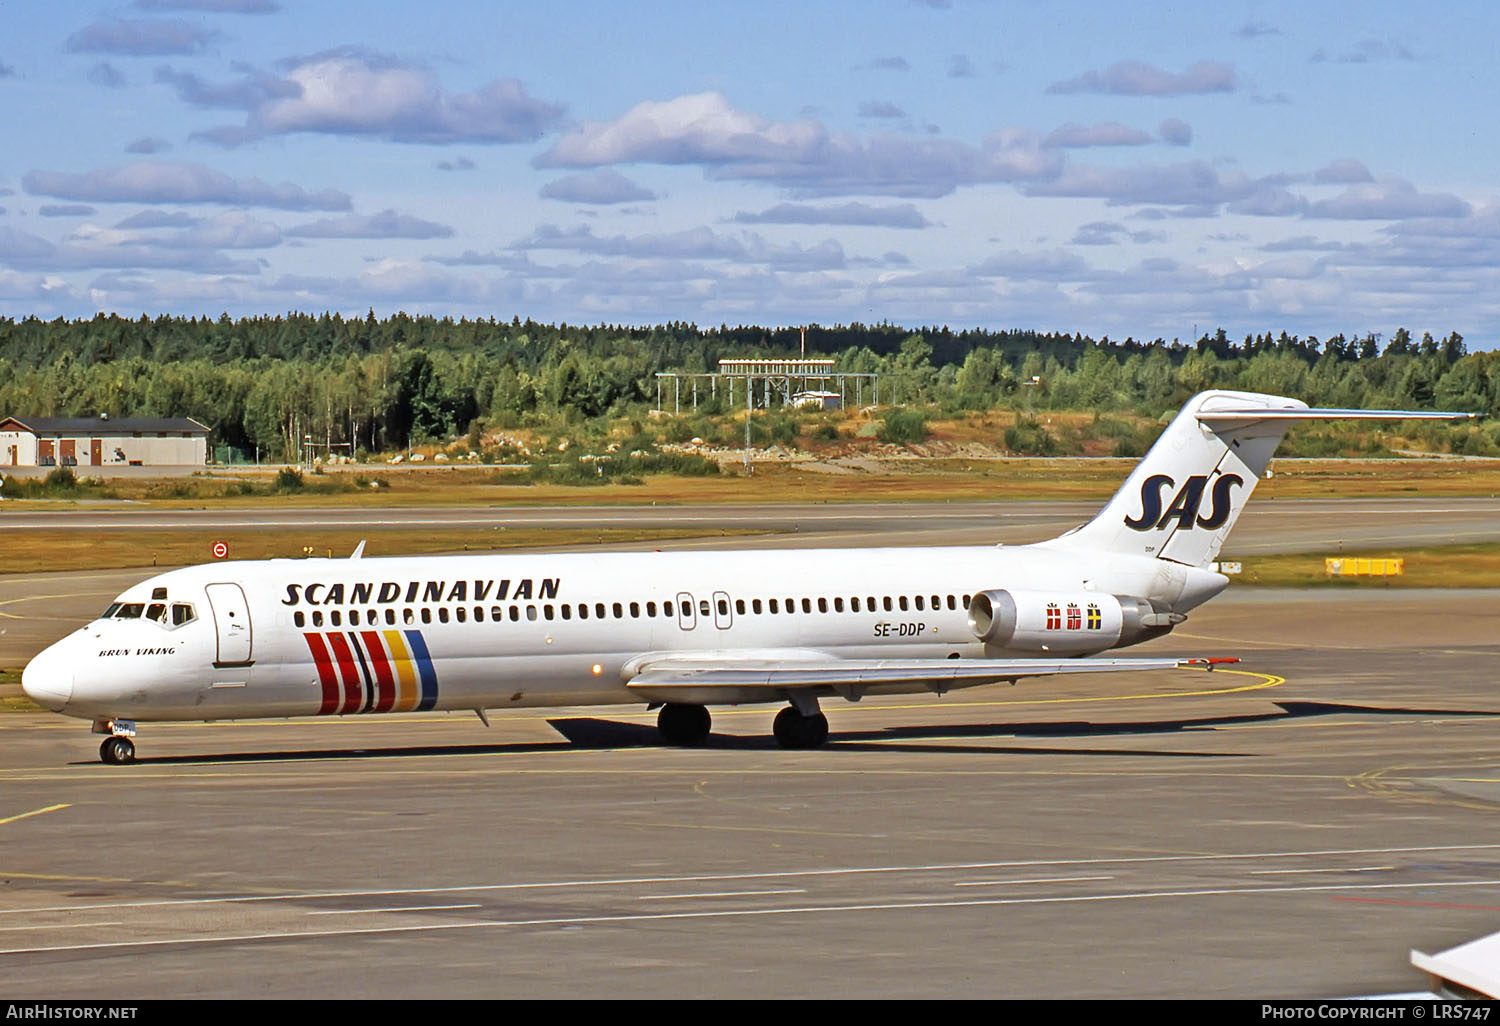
<point>937,602</point>
<point>822,605</point>
<point>426,614</point>
<point>497,613</point>
<point>807,605</point>
<point>531,613</point>
<point>408,615</point>
<point>854,604</point>
<point>619,610</point>
<point>724,608</point>
<point>335,618</point>
<point>755,606</point>
<point>838,604</point>
<point>872,607</point>
<point>966,601</point>
<point>774,607</point>
<point>547,610</point>
<point>952,603</point>
<point>599,610</point>
<point>919,603</point>
<point>390,617</point>
<point>479,614</point>
<point>687,608</point>
<point>902,600</point>
<point>739,606</point>
<point>317,618</point>
<point>635,609</point>
<point>650,608</point>
<point>515,613</point>
<point>583,610</point>
<point>703,607</point>
<point>354,618</point>
<point>462,614</point>
<point>567,611</point>
<point>299,619</point>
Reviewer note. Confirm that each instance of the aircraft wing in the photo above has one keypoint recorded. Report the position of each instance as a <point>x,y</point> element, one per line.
<point>1466,972</point>
<point>748,676</point>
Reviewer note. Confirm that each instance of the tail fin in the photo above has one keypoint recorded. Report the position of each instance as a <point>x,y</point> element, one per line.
<point>1183,498</point>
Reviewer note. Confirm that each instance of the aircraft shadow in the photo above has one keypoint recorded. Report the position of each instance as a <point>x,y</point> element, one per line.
<point>601,734</point>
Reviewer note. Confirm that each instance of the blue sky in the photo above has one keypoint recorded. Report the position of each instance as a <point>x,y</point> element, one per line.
<point>1125,170</point>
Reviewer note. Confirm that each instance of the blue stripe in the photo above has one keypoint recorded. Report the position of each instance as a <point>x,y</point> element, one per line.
<point>425,670</point>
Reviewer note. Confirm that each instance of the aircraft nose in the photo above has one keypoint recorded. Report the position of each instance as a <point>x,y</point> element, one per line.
<point>48,679</point>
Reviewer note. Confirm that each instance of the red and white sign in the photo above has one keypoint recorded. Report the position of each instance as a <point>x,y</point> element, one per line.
<point>220,550</point>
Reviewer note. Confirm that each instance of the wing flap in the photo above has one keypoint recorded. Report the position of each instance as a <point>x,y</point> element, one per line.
<point>692,679</point>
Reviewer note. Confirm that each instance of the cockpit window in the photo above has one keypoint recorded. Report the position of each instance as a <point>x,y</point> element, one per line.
<point>130,610</point>
<point>182,613</point>
<point>113,608</point>
<point>157,611</point>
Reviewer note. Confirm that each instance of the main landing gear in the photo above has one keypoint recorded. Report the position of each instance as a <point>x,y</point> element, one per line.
<point>684,725</point>
<point>799,725</point>
<point>794,730</point>
<point>117,751</point>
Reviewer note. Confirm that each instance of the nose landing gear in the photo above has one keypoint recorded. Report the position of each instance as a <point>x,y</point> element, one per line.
<point>117,751</point>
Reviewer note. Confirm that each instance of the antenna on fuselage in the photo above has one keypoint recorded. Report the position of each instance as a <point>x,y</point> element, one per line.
<point>359,550</point>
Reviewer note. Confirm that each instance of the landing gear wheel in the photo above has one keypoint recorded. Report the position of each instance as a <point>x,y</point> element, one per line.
<point>793,730</point>
<point>683,725</point>
<point>117,751</point>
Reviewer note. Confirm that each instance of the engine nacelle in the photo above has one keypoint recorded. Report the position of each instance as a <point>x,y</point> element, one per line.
<point>1065,622</point>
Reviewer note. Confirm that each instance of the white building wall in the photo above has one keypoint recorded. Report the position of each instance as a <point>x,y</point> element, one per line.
<point>25,446</point>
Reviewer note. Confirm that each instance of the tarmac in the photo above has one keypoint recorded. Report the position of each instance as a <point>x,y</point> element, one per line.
<point>1290,827</point>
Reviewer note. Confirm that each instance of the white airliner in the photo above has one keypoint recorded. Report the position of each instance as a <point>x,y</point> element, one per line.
<point>680,631</point>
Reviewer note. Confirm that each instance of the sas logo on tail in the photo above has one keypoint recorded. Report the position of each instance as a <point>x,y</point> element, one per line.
<point>1185,504</point>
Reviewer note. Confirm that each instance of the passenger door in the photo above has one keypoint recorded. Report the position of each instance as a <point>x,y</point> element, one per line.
<point>232,621</point>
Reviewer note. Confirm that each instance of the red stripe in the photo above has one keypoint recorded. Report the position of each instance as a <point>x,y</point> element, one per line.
<point>385,692</point>
<point>326,673</point>
<point>353,685</point>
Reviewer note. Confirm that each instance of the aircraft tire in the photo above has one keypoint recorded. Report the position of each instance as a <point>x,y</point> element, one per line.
<point>793,730</point>
<point>686,726</point>
<point>117,751</point>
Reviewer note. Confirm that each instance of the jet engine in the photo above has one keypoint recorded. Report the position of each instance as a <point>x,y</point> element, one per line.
<point>1065,622</point>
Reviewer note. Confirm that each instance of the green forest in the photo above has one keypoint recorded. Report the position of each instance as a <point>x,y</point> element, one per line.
<point>262,383</point>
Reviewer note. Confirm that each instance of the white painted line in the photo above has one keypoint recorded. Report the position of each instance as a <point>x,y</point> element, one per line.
<point>1028,880</point>
<point>739,913</point>
<point>638,881</point>
<point>58,926</point>
<point>1331,869</point>
<point>719,894</point>
<point>407,908</point>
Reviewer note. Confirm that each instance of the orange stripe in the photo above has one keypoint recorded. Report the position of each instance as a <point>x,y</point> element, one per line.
<point>408,692</point>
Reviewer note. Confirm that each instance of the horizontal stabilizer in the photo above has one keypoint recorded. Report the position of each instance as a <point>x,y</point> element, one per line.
<point>1314,413</point>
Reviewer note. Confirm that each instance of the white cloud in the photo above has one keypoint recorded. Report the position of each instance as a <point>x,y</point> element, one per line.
<point>385,225</point>
<point>164,182</point>
<point>1134,78</point>
<point>140,38</point>
<point>604,186</point>
<point>902,215</point>
<point>705,130</point>
<point>1388,199</point>
<point>356,94</point>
